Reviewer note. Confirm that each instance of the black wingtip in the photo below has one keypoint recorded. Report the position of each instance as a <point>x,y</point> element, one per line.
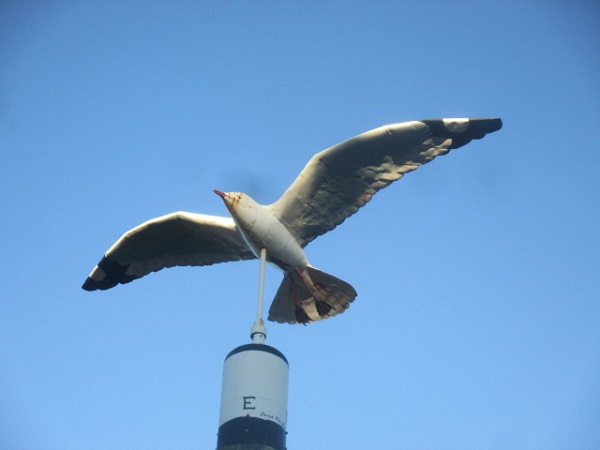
<point>484,126</point>
<point>107,275</point>
<point>462,131</point>
<point>87,286</point>
<point>91,285</point>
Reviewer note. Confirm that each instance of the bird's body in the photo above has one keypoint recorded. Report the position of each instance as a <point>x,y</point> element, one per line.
<point>307,294</point>
<point>260,228</point>
<point>334,185</point>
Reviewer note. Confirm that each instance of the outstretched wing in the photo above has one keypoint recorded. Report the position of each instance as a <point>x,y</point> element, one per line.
<point>177,239</point>
<point>338,181</point>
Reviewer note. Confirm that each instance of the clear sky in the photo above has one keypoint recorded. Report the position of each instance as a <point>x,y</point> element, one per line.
<point>477,322</point>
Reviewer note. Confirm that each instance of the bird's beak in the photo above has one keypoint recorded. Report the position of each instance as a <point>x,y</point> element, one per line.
<point>227,199</point>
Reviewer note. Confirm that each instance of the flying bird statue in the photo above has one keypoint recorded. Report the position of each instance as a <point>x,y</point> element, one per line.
<point>334,185</point>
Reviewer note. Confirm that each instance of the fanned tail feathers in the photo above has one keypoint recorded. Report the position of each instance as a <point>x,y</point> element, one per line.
<point>308,295</point>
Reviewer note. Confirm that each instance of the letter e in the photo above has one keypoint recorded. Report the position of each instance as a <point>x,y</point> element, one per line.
<point>248,402</point>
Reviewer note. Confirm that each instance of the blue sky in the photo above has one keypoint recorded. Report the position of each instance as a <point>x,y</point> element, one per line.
<point>477,324</point>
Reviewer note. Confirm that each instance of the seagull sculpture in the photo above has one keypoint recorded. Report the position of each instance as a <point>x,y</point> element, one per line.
<point>334,185</point>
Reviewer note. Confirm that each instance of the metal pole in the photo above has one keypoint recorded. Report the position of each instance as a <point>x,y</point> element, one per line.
<point>254,395</point>
<point>258,332</point>
<point>261,282</point>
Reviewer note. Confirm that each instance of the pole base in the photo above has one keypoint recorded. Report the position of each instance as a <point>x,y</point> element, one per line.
<point>258,332</point>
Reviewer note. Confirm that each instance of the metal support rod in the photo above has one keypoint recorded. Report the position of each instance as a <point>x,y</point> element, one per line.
<point>258,332</point>
<point>261,283</point>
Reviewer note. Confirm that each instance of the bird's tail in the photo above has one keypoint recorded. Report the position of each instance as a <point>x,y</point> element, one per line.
<point>307,295</point>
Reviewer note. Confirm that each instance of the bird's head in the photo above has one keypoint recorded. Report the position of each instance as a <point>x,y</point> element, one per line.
<point>236,200</point>
<point>246,213</point>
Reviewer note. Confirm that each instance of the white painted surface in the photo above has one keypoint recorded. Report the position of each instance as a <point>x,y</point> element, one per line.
<point>255,383</point>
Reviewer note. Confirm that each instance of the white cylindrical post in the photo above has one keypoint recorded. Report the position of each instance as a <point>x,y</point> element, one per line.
<point>254,399</point>
<point>261,283</point>
<point>258,332</point>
